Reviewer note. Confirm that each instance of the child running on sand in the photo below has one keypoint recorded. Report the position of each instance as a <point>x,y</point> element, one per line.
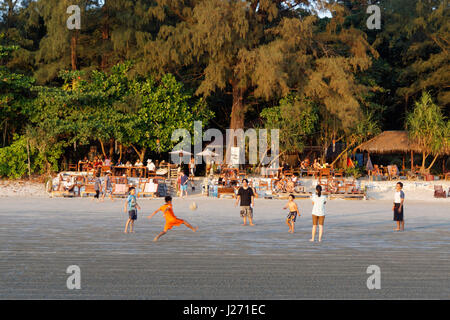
<point>132,206</point>
<point>293,213</point>
<point>171,219</point>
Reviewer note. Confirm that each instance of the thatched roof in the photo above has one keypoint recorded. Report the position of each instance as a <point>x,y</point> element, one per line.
<point>389,142</point>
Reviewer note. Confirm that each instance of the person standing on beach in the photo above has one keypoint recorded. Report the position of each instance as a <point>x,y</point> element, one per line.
<point>192,167</point>
<point>293,213</point>
<point>183,184</point>
<point>318,212</point>
<point>399,198</point>
<point>108,186</point>
<point>131,206</point>
<point>97,186</point>
<point>171,219</point>
<point>246,197</point>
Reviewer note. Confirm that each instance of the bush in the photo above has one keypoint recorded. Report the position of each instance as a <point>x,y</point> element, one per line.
<point>13,159</point>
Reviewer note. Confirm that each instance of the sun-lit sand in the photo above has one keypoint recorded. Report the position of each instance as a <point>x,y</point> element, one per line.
<point>41,237</point>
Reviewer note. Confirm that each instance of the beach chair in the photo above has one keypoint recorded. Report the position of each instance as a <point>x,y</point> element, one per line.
<point>312,172</point>
<point>148,187</point>
<point>439,192</point>
<point>226,191</point>
<point>120,189</point>
<point>88,189</point>
<point>324,172</point>
<point>393,172</point>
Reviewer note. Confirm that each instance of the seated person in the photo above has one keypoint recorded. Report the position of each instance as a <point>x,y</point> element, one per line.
<point>316,164</point>
<point>138,163</point>
<point>150,165</point>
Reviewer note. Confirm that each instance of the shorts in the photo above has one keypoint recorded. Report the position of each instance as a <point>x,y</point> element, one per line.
<point>292,216</point>
<point>172,223</point>
<point>398,214</point>
<point>184,187</point>
<point>132,214</point>
<point>318,220</point>
<point>108,190</point>
<point>246,211</point>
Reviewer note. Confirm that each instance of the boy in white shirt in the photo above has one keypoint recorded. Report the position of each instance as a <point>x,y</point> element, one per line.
<point>399,198</point>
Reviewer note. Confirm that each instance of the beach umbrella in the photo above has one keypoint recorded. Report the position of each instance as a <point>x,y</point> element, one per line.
<point>181,154</point>
<point>369,165</point>
<point>208,153</point>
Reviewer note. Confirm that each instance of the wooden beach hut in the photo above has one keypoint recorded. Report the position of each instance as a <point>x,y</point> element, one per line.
<point>389,142</point>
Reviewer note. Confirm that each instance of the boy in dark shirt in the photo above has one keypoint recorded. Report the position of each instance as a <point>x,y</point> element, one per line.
<point>246,196</point>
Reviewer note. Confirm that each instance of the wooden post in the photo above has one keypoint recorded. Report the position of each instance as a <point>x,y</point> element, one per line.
<point>29,164</point>
<point>412,161</point>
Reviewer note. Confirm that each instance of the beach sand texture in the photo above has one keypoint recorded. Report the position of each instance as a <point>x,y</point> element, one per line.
<point>41,237</point>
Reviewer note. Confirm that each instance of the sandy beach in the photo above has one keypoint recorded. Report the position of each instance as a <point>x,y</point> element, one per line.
<point>41,237</point>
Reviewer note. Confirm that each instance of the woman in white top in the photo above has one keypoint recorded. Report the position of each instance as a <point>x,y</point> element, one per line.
<point>318,212</point>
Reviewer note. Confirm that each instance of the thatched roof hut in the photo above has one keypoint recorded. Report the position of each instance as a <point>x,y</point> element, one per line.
<point>390,142</point>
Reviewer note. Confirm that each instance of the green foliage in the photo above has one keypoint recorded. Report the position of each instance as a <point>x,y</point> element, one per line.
<point>355,172</point>
<point>13,159</point>
<point>296,118</point>
<point>427,126</point>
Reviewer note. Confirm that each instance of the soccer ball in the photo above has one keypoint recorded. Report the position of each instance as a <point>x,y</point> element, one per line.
<point>193,206</point>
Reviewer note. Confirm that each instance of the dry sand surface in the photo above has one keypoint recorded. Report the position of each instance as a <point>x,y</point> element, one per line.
<point>41,237</point>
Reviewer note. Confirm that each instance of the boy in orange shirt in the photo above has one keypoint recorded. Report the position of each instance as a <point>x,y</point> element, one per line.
<point>171,219</point>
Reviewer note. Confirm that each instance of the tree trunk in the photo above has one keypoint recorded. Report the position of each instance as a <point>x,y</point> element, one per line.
<point>120,153</point>
<point>237,114</point>
<point>103,147</point>
<point>73,49</point>
<point>29,163</point>
<point>432,162</point>
<point>424,158</point>
<point>141,154</point>
<point>340,155</point>
<point>111,148</point>
<point>105,36</point>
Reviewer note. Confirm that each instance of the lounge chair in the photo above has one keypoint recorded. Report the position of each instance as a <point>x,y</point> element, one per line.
<point>148,187</point>
<point>120,189</point>
<point>88,189</point>
<point>439,192</point>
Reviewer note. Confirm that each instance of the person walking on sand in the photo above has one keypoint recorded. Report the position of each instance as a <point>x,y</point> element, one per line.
<point>171,219</point>
<point>293,213</point>
<point>399,198</point>
<point>183,184</point>
<point>131,206</point>
<point>318,212</point>
<point>108,186</point>
<point>246,198</point>
<point>97,187</point>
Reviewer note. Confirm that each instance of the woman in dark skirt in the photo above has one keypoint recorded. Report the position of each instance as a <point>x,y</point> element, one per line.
<point>399,198</point>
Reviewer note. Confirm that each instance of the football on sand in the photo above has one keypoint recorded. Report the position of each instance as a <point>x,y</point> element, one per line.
<point>193,206</point>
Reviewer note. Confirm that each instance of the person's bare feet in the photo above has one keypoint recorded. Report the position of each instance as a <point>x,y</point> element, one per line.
<point>396,229</point>
<point>125,231</point>
<point>155,239</point>
<point>195,229</point>
<point>244,224</point>
<point>251,224</point>
<point>312,240</point>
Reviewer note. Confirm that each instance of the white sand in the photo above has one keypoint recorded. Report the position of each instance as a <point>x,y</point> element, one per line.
<point>41,237</point>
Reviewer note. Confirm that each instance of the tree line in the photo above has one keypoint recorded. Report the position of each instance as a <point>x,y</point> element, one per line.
<point>137,69</point>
